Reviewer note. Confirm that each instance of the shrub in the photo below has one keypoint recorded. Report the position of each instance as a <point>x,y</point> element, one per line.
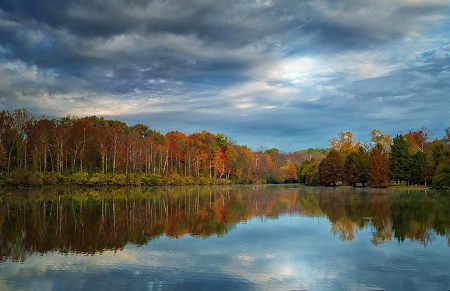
<point>134,180</point>
<point>26,178</point>
<point>51,178</point>
<point>79,178</point>
<point>153,180</point>
<point>175,180</point>
<point>203,181</point>
<point>98,179</point>
<point>118,179</point>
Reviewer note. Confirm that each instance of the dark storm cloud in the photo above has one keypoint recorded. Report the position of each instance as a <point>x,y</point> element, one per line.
<point>263,70</point>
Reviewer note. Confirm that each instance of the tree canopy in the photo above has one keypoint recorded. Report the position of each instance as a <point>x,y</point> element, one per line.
<point>97,151</point>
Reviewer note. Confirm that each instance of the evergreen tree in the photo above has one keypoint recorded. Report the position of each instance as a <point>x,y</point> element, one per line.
<point>437,153</point>
<point>420,168</point>
<point>442,177</point>
<point>355,167</point>
<point>399,159</point>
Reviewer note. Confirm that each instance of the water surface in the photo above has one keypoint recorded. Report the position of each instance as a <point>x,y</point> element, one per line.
<point>227,238</point>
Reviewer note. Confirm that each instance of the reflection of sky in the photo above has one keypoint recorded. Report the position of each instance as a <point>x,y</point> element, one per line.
<point>292,252</point>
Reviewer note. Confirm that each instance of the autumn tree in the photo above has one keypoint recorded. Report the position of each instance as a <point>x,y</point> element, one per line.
<point>13,137</point>
<point>378,167</point>
<point>9,139</point>
<point>292,172</point>
<point>378,137</point>
<point>220,162</point>
<point>345,143</point>
<point>418,139</point>
<point>245,162</point>
<point>331,169</point>
<point>177,143</point>
<point>272,173</point>
<point>41,140</point>
<point>201,151</point>
<point>81,137</point>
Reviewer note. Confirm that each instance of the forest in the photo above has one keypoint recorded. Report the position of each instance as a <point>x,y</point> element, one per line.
<point>94,151</point>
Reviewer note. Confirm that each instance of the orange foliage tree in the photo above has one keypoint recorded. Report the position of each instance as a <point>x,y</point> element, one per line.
<point>378,167</point>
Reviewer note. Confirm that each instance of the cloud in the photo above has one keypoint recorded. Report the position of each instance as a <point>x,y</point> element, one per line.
<point>227,66</point>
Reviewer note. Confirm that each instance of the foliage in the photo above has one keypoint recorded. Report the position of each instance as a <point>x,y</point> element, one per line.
<point>309,173</point>
<point>345,143</point>
<point>331,169</point>
<point>356,167</point>
<point>79,178</point>
<point>418,139</point>
<point>153,180</point>
<point>94,151</point>
<point>420,168</point>
<point>399,159</point>
<point>291,174</point>
<point>26,178</point>
<point>378,167</point>
<point>437,153</point>
<point>378,137</point>
<point>442,177</point>
<point>51,178</point>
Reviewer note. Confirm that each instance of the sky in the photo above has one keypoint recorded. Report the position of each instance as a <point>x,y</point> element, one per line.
<point>283,74</point>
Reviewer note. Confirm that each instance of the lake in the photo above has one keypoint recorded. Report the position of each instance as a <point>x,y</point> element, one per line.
<point>285,237</point>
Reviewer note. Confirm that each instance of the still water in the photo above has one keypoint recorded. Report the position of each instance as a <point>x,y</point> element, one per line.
<point>225,238</point>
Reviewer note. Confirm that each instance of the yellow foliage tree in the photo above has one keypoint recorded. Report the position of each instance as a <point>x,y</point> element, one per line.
<point>378,137</point>
<point>344,143</point>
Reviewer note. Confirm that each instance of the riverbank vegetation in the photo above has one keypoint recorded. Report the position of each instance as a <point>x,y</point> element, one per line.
<point>410,158</point>
<point>94,151</point>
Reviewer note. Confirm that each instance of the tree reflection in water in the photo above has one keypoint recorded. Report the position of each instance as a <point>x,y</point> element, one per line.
<point>91,221</point>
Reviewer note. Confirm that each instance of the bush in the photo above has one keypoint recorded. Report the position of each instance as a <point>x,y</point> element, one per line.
<point>134,180</point>
<point>118,179</point>
<point>189,181</point>
<point>153,180</point>
<point>79,178</point>
<point>26,178</point>
<point>175,180</point>
<point>203,181</point>
<point>51,178</point>
<point>98,179</point>
<point>442,177</point>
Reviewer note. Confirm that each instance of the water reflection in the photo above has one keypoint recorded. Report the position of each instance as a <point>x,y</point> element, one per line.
<point>92,221</point>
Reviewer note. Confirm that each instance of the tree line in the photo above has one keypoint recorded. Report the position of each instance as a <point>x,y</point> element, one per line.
<point>410,158</point>
<point>97,151</point>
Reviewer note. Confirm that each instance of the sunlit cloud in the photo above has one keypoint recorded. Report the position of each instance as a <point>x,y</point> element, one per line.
<point>193,64</point>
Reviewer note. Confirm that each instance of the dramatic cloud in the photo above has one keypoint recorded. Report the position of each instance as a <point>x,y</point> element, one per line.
<point>286,74</point>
